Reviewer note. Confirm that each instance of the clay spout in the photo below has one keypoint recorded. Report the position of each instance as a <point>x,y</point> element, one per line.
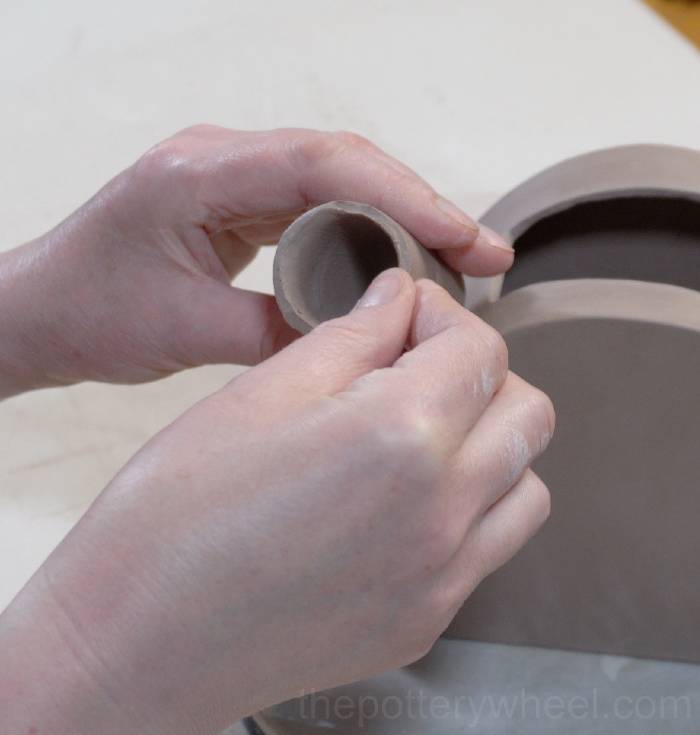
<point>326,259</point>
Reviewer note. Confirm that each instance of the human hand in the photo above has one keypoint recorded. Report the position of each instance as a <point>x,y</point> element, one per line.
<point>318,520</point>
<point>136,284</point>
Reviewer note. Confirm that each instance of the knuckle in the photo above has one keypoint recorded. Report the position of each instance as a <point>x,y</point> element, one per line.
<point>347,138</point>
<point>540,498</point>
<point>409,434</point>
<point>412,425</point>
<point>313,146</point>
<point>490,355</point>
<point>184,154</point>
<point>541,410</point>
<point>394,422</point>
<point>440,306</point>
<point>316,145</point>
<point>496,347</point>
<point>181,153</point>
<point>163,159</point>
<point>199,130</point>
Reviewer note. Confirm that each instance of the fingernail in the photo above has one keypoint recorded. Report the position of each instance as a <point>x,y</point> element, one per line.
<point>488,237</point>
<point>457,215</point>
<point>382,289</point>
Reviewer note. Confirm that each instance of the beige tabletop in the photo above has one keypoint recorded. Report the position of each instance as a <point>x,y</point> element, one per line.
<point>476,95</point>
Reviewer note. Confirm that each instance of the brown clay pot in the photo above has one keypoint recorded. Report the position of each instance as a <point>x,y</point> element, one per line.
<point>602,311</point>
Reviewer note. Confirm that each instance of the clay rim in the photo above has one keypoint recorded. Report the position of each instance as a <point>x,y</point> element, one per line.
<point>288,281</point>
<point>629,171</point>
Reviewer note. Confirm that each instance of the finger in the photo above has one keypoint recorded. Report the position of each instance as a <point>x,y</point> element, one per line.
<point>455,365</point>
<point>217,323</point>
<point>501,532</point>
<point>513,520</point>
<point>489,255</point>
<point>515,428</point>
<point>338,351</point>
<point>235,175</point>
<point>352,168</point>
<point>265,230</point>
<point>234,252</point>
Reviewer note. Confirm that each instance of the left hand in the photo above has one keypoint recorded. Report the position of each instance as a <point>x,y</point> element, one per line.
<point>135,284</point>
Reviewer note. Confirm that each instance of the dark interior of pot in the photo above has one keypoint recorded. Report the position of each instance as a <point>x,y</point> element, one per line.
<point>339,255</point>
<point>637,238</point>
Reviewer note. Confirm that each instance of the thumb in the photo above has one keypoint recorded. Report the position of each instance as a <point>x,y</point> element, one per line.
<point>218,323</point>
<point>339,351</point>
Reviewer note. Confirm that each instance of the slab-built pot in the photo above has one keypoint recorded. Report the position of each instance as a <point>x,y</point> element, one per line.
<point>626,212</point>
<point>617,567</point>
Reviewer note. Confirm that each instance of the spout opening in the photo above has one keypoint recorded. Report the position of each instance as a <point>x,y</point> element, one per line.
<point>336,256</point>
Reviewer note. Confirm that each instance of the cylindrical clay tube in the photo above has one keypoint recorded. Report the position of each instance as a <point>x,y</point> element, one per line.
<point>326,259</point>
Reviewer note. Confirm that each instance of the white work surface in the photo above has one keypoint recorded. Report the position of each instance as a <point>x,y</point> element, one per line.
<point>475,95</point>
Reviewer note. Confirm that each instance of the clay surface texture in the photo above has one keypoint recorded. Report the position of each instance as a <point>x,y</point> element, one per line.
<point>615,568</point>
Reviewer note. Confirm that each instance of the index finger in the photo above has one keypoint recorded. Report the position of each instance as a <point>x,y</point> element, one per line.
<point>448,377</point>
<point>243,180</point>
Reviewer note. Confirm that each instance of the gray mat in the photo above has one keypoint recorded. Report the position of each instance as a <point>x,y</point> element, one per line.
<point>463,686</point>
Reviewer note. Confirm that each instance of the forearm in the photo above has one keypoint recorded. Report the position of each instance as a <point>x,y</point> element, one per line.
<point>94,643</point>
<point>66,666</point>
<point>47,682</point>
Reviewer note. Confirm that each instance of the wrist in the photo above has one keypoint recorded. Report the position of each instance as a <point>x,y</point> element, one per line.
<point>47,307</point>
<point>25,342</point>
<point>76,659</point>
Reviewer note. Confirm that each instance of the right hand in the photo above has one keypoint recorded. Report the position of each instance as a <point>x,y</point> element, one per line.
<point>318,520</point>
